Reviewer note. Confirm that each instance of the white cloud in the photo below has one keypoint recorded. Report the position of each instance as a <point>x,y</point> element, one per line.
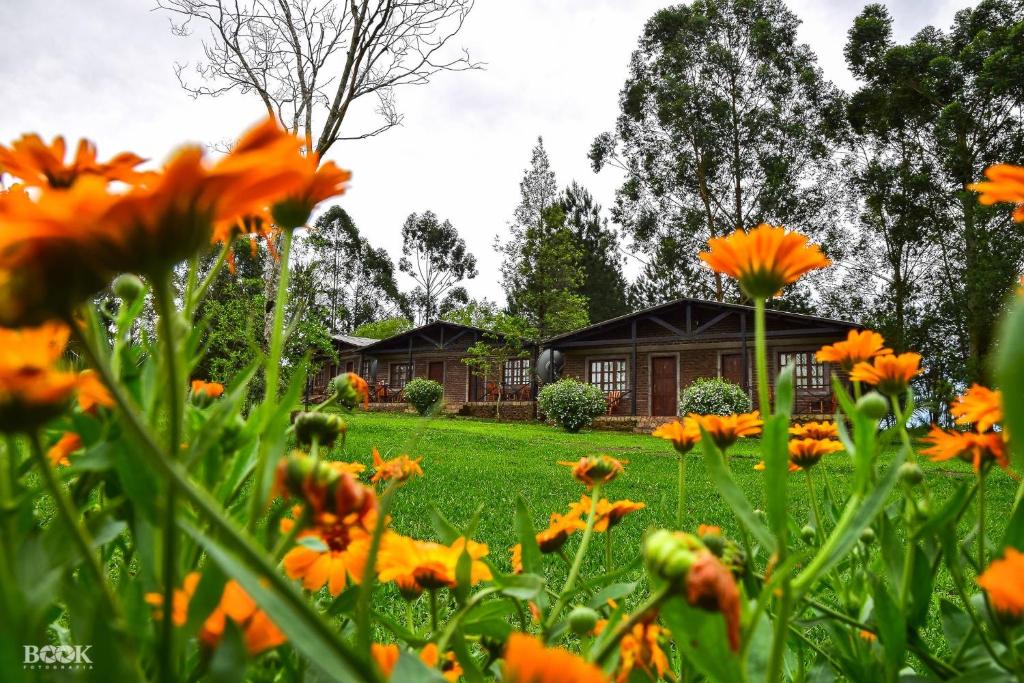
<point>103,69</point>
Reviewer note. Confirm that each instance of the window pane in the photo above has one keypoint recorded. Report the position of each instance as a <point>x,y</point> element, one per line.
<point>608,375</point>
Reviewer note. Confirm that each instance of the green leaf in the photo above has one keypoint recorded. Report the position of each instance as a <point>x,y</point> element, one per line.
<point>892,626</point>
<point>314,543</point>
<point>528,538</point>
<point>334,658</point>
<point>1014,536</point>
<point>775,447</point>
<point>410,669</point>
<point>616,591</point>
<point>470,669</point>
<point>726,485</point>
<point>702,638</point>
<point>520,586</point>
<point>444,529</point>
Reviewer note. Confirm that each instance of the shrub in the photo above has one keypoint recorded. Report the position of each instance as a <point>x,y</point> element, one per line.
<point>571,403</point>
<point>713,396</point>
<point>422,394</point>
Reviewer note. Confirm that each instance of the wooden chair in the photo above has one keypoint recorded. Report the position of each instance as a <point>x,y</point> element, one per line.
<point>491,391</point>
<point>614,400</point>
<point>380,393</point>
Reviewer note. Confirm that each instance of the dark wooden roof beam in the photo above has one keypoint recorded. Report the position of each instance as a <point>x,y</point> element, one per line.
<point>711,323</point>
<point>668,326</point>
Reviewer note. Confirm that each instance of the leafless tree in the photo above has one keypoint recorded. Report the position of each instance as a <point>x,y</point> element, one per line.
<point>308,61</point>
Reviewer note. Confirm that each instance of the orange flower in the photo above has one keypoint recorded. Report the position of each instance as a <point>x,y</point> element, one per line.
<point>890,374</point>
<point>386,657</point>
<point>352,389</point>
<point>396,469</point>
<point>68,443</point>
<point>815,430</point>
<point>1002,582</point>
<point>594,469</point>
<point>211,389</point>
<point>867,635</point>
<point>607,514</point>
<point>528,661</point>
<point>979,406</point>
<point>331,551</point>
<point>427,564</point>
<point>708,530</point>
<point>711,587</point>
<point>259,631</point>
<point>684,434</point>
<point>32,390</point>
<point>640,648</point>
<point>1005,184</point>
<point>805,453</point>
<point>319,183</point>
<point>859,346</point>
<point>37,164</point>
<point>324,486</point>
<point>92,392</point>
<point>977,449</point>
<point>341,467</point>
<point>517,558</point>
<point>560,527</point>
<point>764,260</point>
<point>725,429</point>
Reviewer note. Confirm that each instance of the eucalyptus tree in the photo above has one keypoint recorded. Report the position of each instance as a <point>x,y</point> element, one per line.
<point>437,260</point>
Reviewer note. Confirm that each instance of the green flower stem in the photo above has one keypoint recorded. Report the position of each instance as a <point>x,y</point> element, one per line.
<point>599,655</point>
<point>164,296</point>
<point>271,375</point>
<point>208,508</point>
<point>608,549</point>
<point>363,629</point>
<point>81,537</point>
<point>8,456</point>
<point>433,609</point>
<point>574,571</point>
<point>981,517</point>
<point>200,291</point>
<point>681,503</point>
<point>456,620</point>
<point>761,358</point>
<point>819,521</point>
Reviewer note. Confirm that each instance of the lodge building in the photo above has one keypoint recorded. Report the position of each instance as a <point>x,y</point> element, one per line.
<point>640,361</point>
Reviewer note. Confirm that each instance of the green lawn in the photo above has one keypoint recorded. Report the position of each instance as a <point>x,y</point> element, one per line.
<point>471,463</point>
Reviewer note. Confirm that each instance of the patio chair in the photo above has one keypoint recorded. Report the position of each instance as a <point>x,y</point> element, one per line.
<point>614,400</point>
<point>491,391</point>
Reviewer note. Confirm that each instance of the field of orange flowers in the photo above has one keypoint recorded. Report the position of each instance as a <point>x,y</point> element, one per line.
<point>191,539</point>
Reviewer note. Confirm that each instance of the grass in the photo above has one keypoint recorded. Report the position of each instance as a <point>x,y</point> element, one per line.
<point>474,464</point>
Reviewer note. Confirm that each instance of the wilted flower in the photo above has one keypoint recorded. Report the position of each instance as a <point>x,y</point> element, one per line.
<point>528,661</point>
<point>764,259</point>
<point>858,347</point>
<point>725,429</point>
<point>889,374</point>
<point>397,469</point>
<point>710,585</point>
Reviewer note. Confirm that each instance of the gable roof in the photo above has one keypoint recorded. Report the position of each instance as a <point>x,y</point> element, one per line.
<point>438,333</point>
<point>813,321</point>
<point>352,340</point>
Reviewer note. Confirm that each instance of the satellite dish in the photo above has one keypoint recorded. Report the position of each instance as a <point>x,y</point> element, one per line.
<point>550,364</point>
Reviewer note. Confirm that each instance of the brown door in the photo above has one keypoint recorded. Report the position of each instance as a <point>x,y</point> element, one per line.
<point>732,368</point>
<point>664,400</point>
<point>435,371</point>
<point>350,366</point>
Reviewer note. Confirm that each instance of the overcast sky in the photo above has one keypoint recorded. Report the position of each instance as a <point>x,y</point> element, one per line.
<point>103,69</point>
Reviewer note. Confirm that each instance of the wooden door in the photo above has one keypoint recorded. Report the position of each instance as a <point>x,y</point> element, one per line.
<point>664,390</point>
<point>732,369</point>
<point>350,366</point>
<point>435,371</point>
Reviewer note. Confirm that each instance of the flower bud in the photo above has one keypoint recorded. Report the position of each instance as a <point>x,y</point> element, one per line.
<point>873,405</point>
<point>807,533</point>
<point>669,555</point>
<point>203,393</point>
<point>127,287</point>
<point>323,487</point>
<point>325,428</point>
<point>911,473</point>
<point>867,537</point>
<point>351,390</point>
<point>582,620</point>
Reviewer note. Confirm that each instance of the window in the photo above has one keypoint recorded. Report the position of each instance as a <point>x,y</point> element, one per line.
<point>517,372</point>
<point>400,374</point>
<point>810,374</point>
<point>609,375</point>
<point>366,371</point>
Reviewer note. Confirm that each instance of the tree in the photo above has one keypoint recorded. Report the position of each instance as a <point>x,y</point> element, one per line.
<point>603,284</point>
<point>436,258</point>
<point>542,268</point>
<point>382,329</point>
<point>473,313</point>
<point>310,61</point>
<point>355,283</point>
<point>957,96</point>
<point>508,338</point>
<point>726,122</point>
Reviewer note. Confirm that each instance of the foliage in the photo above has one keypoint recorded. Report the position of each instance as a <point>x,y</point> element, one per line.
<point>713,396</point>
<point>436,258</point>
<point>423,394</point>
<point>542,269</point>
<point>382,329</point>
<point>507,338</point>
<point>726,122</point>
<point>473,313</point>
<point>571,404</point>
<point>355,283</point>
<point>933,113</point>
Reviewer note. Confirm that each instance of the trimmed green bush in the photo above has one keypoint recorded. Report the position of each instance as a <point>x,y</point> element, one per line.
<point>571,404</point>
<point>713,396</point>
<point>422,394</point>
